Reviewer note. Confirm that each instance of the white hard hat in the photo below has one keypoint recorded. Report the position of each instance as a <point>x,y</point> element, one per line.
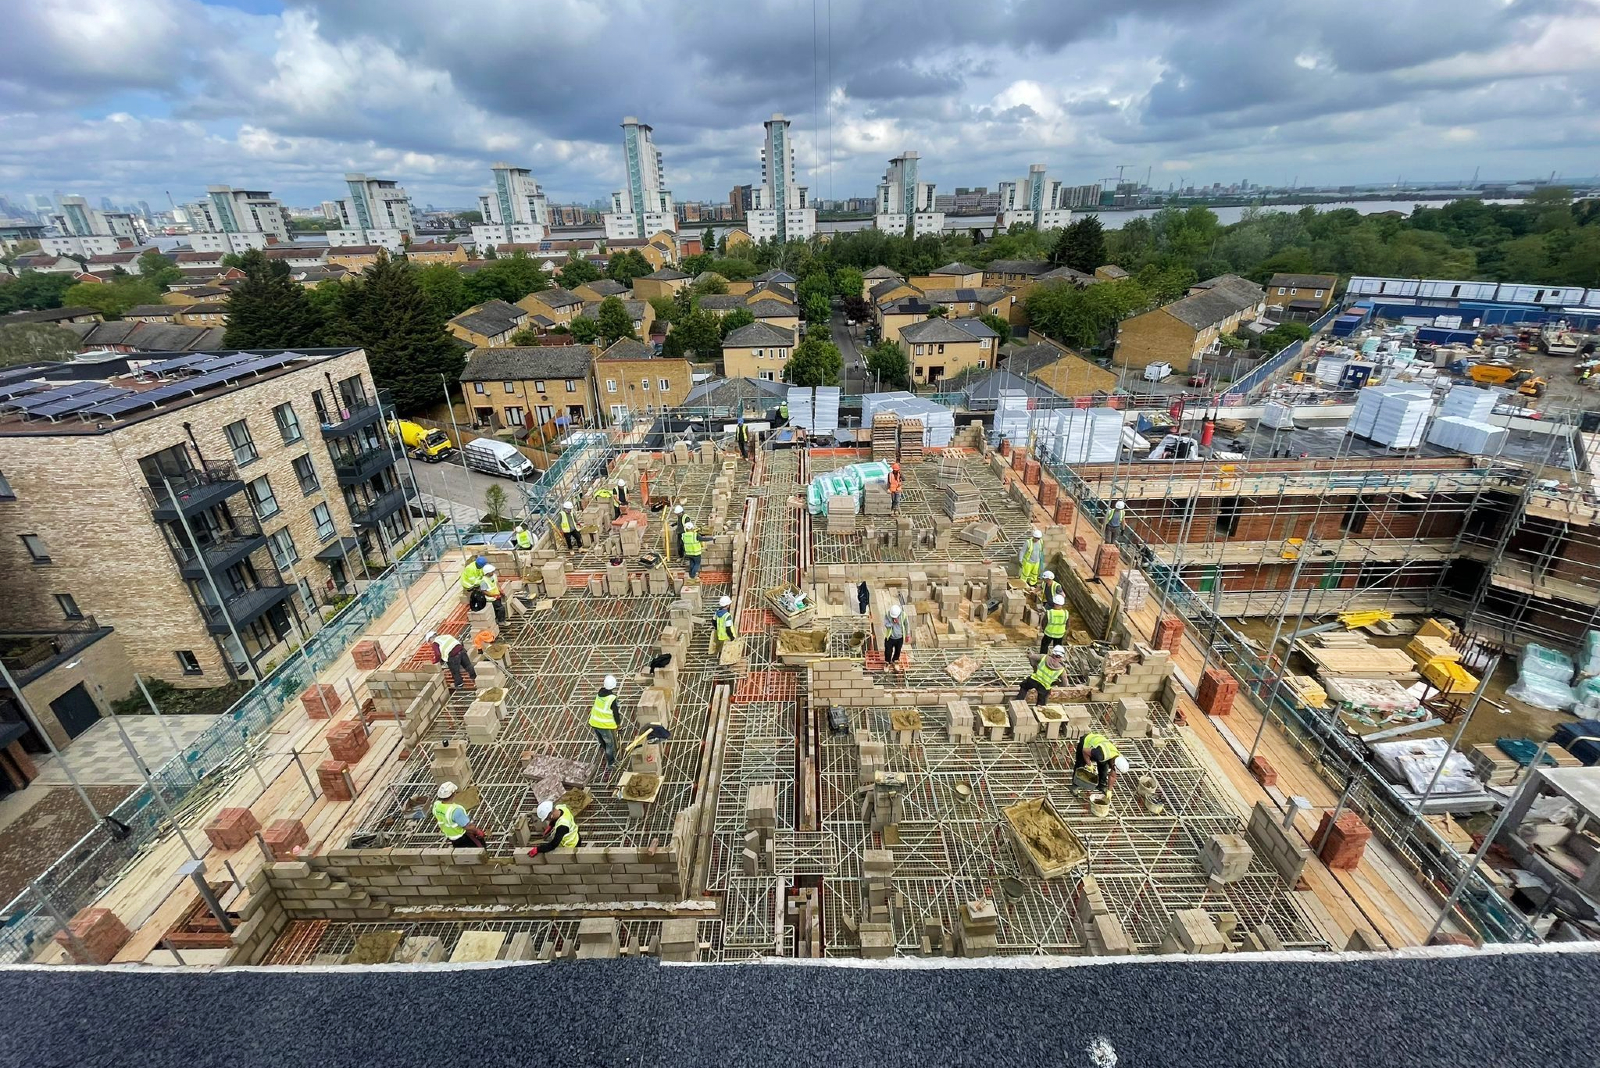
<point>725,601</point>
<point>621,482</point>
<point>1038,533</point>
<point>677,509</point>
<point>446,789</point>
<point>1060,598</point>
<point>488,569</point>
<point>688,524</point>
<point>566,504</point>
<point>545,808</point>
<point>1121,763</point>
<point>1121,503</point>
<point>1059,650</point>
<point>1050,574</point>
<point>521,527</point>
<point>609,682</point>
<point>432,634</point>
<point>895,611</point>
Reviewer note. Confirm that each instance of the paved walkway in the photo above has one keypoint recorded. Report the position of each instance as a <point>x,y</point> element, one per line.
<point>99,758</point>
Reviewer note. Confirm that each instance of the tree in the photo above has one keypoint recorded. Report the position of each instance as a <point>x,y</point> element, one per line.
<point>509,278</point>
<point>613,320</point>
<point>527,337</point>
<point>938,311</point>
<point>111,298</point>
<point>711,285</point>
<point>158,270</point>
<point>887,365</point>
<point>494,507</point>
<point>36,343</point>
<point>34,291</point>
<point>312,226</point>
<point>625,266</point>
<point>269,310</point>
<point>814,362</point>
<point>445,288</point>
<point>21,248</point>
<point>577,271</point>
<point>584,331</point>
<point>1081,246</point>
<point>666,309</point>
<point>471,218</point>
<point>736,318</point>
<point>708,240</point>
<point>489,253</point>
<point>818,310</point>
<point>699,333</point>
<point>999,326</point>
<point>857,309</point>
<point>406,343</point>
<point>847,283</point>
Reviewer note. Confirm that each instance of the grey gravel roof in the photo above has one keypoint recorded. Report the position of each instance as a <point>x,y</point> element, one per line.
<point>557,298</point>
<point>982,295</point>
<point>520,362</point>
<point>720,302</point>
<point>1211,306</point>
<point>606,287</point>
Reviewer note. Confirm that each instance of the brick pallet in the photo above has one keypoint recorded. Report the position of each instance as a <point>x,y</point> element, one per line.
<point>911,441</point>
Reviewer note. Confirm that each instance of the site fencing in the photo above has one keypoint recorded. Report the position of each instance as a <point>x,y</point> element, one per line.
<point>1260,376</point>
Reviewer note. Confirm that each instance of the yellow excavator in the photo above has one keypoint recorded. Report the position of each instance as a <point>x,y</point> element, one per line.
<point>1525,380</point>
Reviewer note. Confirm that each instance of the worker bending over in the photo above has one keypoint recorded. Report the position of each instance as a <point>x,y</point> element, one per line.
<point>491,592</point>
<point>472,574</point>
<point>692,549</point>
<point>894,638</point>
<point>723,619</point>
<point>457,827</point>
<point>560,828</point>
<point>453,655</point>
<point>1050,589</point>
<point>524,540</point>
<point>1055,623</point>
<point>1051,667</point>
<point>567,523</point>
<point>619,499</point>
<point>897,485</point>
<point>1031,557</point>
<point>1102,751</point>
<point>603,719</point>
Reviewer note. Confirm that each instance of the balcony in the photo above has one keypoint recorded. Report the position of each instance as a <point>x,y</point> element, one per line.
<point>222,553</point>
<point>196,490</point>
<point>244,608</point>
<point>32,654</point>
<point>353,420</point>
<point>369,513</point>
<point>356,467</point>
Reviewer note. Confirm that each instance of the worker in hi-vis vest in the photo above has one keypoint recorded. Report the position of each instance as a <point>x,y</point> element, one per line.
<point>453,655</point>
<point>603,719</point>
<point>491,592</point>
<point>1050,589</point>
<point>472,573</point>
<point>894,638</point>
<point>692,549</point>
<point>675,532</point>
<point>1055,623</point>
<point>560,828</point>
<point>1051,667</point>
<point>1114,521</point>
<point>1031,557</point>
<point>897,486</point>
<point>722,619</point>
<point>567,523</point>
<point>454,823</point>
<point>1102,752</point>
<point>524,540</point>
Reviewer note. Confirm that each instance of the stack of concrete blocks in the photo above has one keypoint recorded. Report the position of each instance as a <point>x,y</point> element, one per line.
<point>962,501</point>
<point>1143,678</point>
<point>760,856</point>
<point>1013,604</point>
<point>978,934</point>
<point>842,514</point>
<point>1133,590</point>
<point>1225,858</point>
<point>883,808</point>
<point>875,499</point>
<point>679,940</point>
<point>1193,931</point>
<point>415,698</point>
<point>1024,724</point>
<point>485,717</point>
<point>1263,939</point>
<point>483,620</point>
<point>658,581</point>
<point>708,452</point>
<point>1104,935</point>
<point>960,714</point>
<point>554,576</point>
<point>680,452</point>
<point>599,938</point>
<point>448,763</point>
<point>870,757</point>
<point>1278,845</point>
<point>1131,718</point>
<point>877,891</point>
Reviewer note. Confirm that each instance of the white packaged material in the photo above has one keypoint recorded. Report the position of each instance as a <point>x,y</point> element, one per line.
<point>1277,415</point>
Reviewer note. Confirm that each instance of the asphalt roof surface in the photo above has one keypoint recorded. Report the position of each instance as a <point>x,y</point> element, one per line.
<point>1479,1009</point>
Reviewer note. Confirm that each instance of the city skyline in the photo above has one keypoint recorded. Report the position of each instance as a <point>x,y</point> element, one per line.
<point>256,94</point>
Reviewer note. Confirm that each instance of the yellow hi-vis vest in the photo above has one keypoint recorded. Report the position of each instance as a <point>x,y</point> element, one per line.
<point>524,540</point>
<point>1055,623</point>
<point>490,587</point>
<point>1100,748</point>
<point>724,620</point>
<point>1051,588</point>
<point>602,493</point>
<point>691,543</point>
<point>448,826</point>
<point>567,823</point>
<point>1046,676</point>
<point>447,645</point>
<point>603,712</point>
<point>1032,552</point>
<point>471,575</point>
<point>564,521</point>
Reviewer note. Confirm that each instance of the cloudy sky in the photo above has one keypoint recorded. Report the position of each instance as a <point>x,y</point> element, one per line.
<point>131,98</point>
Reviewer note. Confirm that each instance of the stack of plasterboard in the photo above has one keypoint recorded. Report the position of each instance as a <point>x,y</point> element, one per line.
<point>1087,436</point>
<point>1012,419</point>
<point>1276,415</point>
<point>1462,434</point>
<point>827,410</point>
<point>800,407</point>
<point>1395,416</point>
<point>1469,402</point>
<point>938,422</point>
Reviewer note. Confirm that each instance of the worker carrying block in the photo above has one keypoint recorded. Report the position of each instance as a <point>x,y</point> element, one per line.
<point>1100,750</point>
<point>1031,558</point>
<point>560,828</point>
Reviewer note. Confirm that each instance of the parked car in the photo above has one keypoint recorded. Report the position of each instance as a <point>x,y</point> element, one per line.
<point>1200,379</point>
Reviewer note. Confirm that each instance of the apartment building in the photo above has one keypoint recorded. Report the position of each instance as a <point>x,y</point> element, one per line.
<point>1301,296</point>
<point>551,307</point>
<point>236,220</point>
<point>528,386</point>
<point>204,505</point>
<point>740,200</point>
<point>972,303</point>
<point>903,198</point>
<point>84,231</point>
<point>943,348</point>
<point>1035,200</point>
<point>644,206</point>
<point>514,212</point>
<point>1183,332</point>
<point>631,379</point>
<point>781,211</point>
<point>377,212</point>
<point>489,325</point>
<point>759,350</point>
<point>667,282</point>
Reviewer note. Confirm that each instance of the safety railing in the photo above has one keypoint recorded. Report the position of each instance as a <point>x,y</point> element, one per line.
<point>1261,374</point>
<point>213,759</point>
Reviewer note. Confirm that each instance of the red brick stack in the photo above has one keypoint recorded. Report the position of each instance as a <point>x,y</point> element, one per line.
<point>232,828</point>
<point>1019,457</point>
<point>1107,562</point>
<point>285,838</point>
<point>1030,473</point>
<point>94,936</point>
<point>368,655</point>
<point>334,778</point>
<point>1066,508</point>
<point>1005,447</point>
<point>1263,772</point>
<point>1080,543</point>
<point>321,701</point>
<point>1345,842</point>
<point>1217,691</point>
<point>347,741</point>
<point>1169,633</point>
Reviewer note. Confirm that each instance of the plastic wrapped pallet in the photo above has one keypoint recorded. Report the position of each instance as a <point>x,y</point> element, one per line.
<point>1469,402</point>
<point>826,413</point>
<point>1550,663</point>
<point>1544,678</point>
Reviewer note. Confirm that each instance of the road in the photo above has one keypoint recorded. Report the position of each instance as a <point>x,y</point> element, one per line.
<point>452,488</point>
<point>852,380</point>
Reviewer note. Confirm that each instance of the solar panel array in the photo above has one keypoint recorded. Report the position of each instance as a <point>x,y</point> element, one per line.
<point>180,377</point>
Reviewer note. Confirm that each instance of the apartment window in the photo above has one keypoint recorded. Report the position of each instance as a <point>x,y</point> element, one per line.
<point>919,350</point>
<point>611,385</point>
<point>324,520</point>
<point>663,385</point>
<point>509,387</point>
<point>36,548</point>
<point>187,661</point>
<point>69,607</point>
<point>941,348</point>
<point>1280,291</point>
<point>281,542</point>
<point>983,365</point>
<point>306,474</point>
<point>572,385</point>
<point>644,384</point>
<point>1319,293</point>
<point>478,388</point>
<point>6,492</point>
<point>514,417</point>
<point>262,498</point>
<point>321,407</point>
<point>538,385</point>
<point>288,422</point>
<point>244,449</point>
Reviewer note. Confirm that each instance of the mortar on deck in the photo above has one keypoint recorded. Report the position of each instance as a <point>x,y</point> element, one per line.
<point>905,719</point>
<point>1044,837</point>
<point>994,716</point>
<point>640,786</point>
<point>802,646</point>
<point>494,696</point>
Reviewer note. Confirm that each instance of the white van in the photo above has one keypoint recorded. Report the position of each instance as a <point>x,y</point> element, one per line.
<point>497,458</point>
